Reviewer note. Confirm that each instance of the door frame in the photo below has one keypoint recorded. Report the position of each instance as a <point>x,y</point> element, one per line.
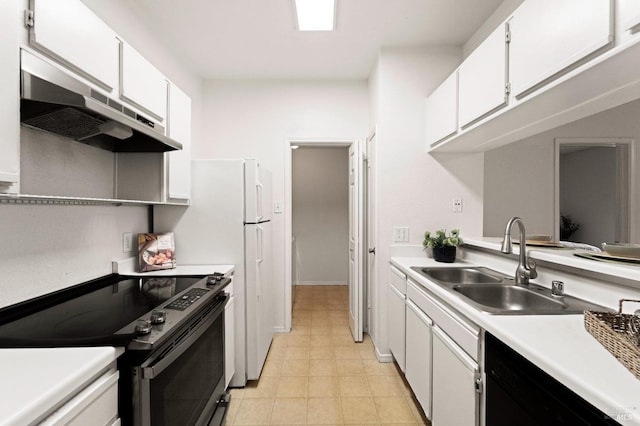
<point>288,203</point>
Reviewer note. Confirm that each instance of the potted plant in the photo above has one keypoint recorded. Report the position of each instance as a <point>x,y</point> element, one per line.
<point>443,246</point>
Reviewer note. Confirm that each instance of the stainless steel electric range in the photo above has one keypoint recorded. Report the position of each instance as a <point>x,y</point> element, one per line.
<point>172,372</point>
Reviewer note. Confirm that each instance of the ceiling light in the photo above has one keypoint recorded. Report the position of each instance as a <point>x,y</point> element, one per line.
<point>295,146</point>
<point>315,15</point>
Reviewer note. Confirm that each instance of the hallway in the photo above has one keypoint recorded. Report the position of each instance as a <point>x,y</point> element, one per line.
<point>317,375</point>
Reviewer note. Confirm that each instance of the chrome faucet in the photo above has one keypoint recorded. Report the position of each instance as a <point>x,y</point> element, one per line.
<point>526,270</point>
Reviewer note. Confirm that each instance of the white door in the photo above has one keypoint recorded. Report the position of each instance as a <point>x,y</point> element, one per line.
<point>370,226</point>
<point>355,238</point>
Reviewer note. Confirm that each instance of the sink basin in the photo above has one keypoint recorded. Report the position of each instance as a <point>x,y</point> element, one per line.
<point>496,293</point>
<point>508,297</point>
<point>459,275</point>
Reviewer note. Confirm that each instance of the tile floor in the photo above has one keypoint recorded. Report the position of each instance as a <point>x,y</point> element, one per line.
<point>317,375</point>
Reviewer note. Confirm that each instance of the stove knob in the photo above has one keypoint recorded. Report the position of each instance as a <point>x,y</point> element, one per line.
<point>143,327</point>
<point>158,317</point>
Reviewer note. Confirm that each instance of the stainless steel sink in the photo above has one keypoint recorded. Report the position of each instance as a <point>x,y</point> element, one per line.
<point>458,275</point>
<point>496,293</point>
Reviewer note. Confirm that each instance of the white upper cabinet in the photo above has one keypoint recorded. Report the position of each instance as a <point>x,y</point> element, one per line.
<point>442,110</point>
<point>549,36</point>
<point>141,83</point>
<point>69,32</point>
<point>10,99</point>
<point>179,129</point>
<point>483,77</point>
<point>629,11</point>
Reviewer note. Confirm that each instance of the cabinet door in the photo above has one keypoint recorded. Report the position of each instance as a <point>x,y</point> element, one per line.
<point>455,400</point>
<point>10,99</point>
<point>548,36</point>
<point>482,79</point>
<point>629,11</point>
<point>141,83</point>
<point>396,323</point>
<point>72,34</point>
<point>179,162</point>
<point>418,355</point>
<point>442,111</point>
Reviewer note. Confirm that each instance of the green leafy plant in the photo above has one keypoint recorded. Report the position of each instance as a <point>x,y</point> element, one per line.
<point>440,239</point>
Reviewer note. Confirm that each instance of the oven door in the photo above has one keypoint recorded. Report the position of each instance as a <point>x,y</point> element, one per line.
<point>182,383</point>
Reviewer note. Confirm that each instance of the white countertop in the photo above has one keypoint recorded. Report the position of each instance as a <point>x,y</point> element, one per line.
<point>34,381</point>
<point>129,266</point>
<point>558,344</point>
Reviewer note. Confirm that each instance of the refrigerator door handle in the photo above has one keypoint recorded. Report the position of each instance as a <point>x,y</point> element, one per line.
<point>259,238</point>
<point>259,190</point>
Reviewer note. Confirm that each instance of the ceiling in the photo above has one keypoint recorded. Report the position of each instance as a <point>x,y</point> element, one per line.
<point>257,38</point>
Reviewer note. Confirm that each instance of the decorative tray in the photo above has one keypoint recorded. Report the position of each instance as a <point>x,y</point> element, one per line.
<point>612,330</point>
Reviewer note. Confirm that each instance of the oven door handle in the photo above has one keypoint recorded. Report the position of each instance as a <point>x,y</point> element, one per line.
<point>152,369</point>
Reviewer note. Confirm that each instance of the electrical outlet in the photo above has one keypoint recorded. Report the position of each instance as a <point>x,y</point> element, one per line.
<point>127,242</point>
<point>400,234</point>
<point>457,205</point>
<point>277,207</point>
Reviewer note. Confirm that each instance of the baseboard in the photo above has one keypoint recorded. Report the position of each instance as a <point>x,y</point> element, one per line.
<point>382,357</point>
<point>281,330</point>
<point>320,283</point>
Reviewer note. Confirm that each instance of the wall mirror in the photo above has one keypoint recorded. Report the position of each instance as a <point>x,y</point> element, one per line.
<point>585,169</point>
<point>592,190</point>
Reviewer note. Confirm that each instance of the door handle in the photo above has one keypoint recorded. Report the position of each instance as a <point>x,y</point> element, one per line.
<point>372,250</point>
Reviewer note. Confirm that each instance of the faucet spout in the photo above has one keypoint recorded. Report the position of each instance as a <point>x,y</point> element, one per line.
<point>526,268</point>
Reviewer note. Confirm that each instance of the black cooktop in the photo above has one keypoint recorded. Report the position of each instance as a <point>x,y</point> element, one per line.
<point>88,314</point>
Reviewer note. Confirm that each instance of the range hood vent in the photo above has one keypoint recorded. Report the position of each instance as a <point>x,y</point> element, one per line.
<point>55,102</point>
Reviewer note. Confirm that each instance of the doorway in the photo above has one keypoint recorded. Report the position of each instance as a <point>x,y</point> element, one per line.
<point>593,190</point>
<point>299,249</point>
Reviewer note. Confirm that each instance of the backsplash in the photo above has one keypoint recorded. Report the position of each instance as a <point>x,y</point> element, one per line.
<point>44,248</point>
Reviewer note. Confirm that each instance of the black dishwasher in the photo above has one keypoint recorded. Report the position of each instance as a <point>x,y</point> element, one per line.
<point>519,393</point>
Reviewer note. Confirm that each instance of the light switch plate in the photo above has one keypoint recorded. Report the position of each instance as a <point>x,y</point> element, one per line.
<point>127,242</point>
<point>277,207</point>
<point>401,234</point>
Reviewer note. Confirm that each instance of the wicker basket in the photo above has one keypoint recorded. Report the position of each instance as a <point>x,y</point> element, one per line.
<point>610,329</point>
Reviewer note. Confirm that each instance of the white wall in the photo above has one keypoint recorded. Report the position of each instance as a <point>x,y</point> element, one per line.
<point>257,118</point>
<point>414,189</point>
<point>519,177</point>
<point>320,215</point>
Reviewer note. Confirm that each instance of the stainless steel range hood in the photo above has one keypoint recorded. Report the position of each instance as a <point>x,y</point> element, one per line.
<point>56,102</point>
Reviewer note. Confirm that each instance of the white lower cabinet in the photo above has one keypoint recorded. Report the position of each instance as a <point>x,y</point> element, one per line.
<point>455,374</point>
<point>418,355</point>
<point>396,316</point>
<point>97,404</point>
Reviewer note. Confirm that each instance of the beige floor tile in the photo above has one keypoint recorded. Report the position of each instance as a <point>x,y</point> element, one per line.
<point>293,386</point>
<point>299,340</point>
<point>324,411</point>
<point>319,327</point>
<point>340,330</point>
<point>416,410</point>
<point>385,386</point>
<point>325,352</point>
<point>298,322</point>
<point>254,412</point>
<point>276,352</point>
<point>322,367</point>
<point>321,340</point>
<point>289,411</point>
<point>296,352</point>
<point>323,386</point>
<point>236,393</point>
<point>367,352</point>
<point>393,410</point>
<point>343,340</point>
<point>349,366</point>
<point>354,386</point>
<point>376,368</point>
<point>272,367</point>
<point>346,352</point>
<point>358,410</point>
<point>299,330</point>
<point>266,387</point>
<point>279,339</point>
<point>234,403</point>
<point>295,367</point>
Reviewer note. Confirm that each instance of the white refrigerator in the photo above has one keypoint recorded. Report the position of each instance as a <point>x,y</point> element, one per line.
<point>229,222</point>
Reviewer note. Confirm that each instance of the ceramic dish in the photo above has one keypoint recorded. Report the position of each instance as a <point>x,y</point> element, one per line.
<point>622,250</point>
